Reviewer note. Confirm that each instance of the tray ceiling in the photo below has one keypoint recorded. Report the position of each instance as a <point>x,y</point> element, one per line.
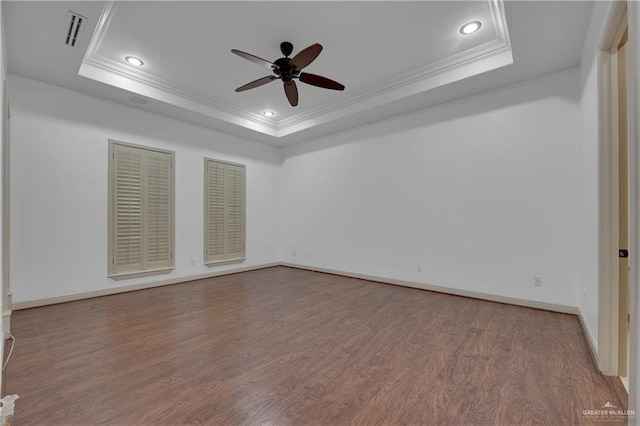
<point>387,54</point>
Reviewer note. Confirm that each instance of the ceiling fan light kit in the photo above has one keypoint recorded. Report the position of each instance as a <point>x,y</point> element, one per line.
<point>288,69</point>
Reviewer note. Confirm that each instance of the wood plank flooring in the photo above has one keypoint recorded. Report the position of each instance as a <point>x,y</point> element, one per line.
<point>284,346</point>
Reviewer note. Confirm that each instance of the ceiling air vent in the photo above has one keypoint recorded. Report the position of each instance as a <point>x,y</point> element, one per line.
<point>76,22</point>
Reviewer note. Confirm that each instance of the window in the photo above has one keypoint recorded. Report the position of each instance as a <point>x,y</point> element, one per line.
<point>224,212</point>
<point>141,210</point>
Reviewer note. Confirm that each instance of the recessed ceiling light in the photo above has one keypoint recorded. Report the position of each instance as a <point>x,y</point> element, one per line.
<point>470,27</point>
<point>134,61</point>
<point>268,113</point>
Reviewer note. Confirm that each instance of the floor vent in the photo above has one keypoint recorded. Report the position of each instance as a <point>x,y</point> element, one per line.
<point>75,24</point>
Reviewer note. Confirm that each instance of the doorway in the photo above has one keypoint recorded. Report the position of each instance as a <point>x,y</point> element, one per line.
<point>623,208</point>
<point>614,299</point>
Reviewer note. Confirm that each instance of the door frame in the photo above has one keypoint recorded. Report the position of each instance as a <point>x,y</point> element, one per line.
<point>608,300</point>
<point>633,49</point>
<point>607,303</point>
<point>623,202</point>
<point>4,202</point>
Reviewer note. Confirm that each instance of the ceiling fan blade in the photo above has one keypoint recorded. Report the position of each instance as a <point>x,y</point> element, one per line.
<point>318,80</point>
<point>306,56</point>
<point>257,83</point>
<point>253,58</point>
<point>291,90</point>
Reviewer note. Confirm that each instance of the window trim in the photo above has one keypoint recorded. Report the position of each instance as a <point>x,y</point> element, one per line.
<point>111,214</point>
<point>205,229</point>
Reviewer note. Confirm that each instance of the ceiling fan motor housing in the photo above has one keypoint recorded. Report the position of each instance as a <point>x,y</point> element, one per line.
<point>285,71</point>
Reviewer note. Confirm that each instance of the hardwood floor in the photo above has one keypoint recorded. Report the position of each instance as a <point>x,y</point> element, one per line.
<point>286,346</point>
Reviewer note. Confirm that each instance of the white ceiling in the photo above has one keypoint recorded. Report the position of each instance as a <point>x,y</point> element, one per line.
<point>393,57</point>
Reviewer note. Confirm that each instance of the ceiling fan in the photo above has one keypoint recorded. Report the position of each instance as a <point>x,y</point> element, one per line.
<point>287,69</point>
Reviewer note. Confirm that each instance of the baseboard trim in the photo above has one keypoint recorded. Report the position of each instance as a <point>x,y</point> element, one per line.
<point>439,289</point>
<point>6,323</point>
<point>591,341</point>
<point>134,287</point>
<point>586,331</point>
<point>565,309</point>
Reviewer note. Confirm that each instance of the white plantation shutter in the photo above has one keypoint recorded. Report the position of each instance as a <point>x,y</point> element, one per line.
<point>235,211</point>
<point>158,211</point>
<point>141,209</point>
<point>214,211</point>
<point>224,211</point>
<point>128,209</point>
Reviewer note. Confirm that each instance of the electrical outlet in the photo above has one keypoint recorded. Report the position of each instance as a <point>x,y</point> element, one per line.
<point>193,262</point>
<point>537,281</point>
<point>294,254</point>
<point>309,255</point>
<point>419,267</point>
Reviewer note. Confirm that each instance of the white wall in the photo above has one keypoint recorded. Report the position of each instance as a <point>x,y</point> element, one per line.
<point>483,192</point>
<point>589,154</point>
<point>588,220</point>
<point>59,188</point>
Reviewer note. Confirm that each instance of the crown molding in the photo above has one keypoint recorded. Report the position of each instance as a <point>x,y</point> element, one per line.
<point>380,93</point>
<point>109,71</point>
<point>112,67</point>
<point>488,56</point>
<point>374,95</point>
